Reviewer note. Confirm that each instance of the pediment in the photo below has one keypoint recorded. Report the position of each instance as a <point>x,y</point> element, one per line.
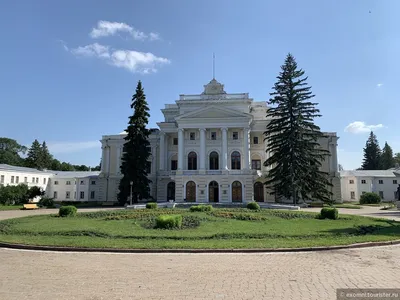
<point>213,112</point>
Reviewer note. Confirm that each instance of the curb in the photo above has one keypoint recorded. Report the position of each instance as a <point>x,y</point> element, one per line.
<point>266,250</point>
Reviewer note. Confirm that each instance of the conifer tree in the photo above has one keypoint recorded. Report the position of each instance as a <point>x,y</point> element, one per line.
<point>387,158</point>
<point>372,154</point>
<point>46,157</point>
<point>34,156</point>
<point>136,151</point>
<point>293,139</point>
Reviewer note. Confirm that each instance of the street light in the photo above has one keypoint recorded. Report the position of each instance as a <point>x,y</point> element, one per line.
<point>131,183</point>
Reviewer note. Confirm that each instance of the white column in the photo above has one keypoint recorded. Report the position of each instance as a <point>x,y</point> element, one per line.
<point>162,150</point>
<point>107,160</point>
<point>335,158</point>
<point>103,159</point>
<point>224,153</point>
<point>118,159</point>
<point>202,148</point>
<point>246,149</point>
<point>180,148</point>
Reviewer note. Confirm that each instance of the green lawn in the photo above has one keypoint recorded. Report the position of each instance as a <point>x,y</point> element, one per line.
<point>222,228</point>
<point>10,207</point>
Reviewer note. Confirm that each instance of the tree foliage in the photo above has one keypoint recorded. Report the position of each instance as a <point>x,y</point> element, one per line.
<point>137,151</point>
<point>387,160</point>
<point>372,154</point>
<point>10,152</point>
<point>293,139</point>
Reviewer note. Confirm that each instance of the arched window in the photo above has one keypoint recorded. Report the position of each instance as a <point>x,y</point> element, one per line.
<point>214,161</point>
<point>171,191</point>
<point>236,191</point>
<point>235,160</point>
<point>259,192</point>
<point>190,191</point>
<point>192,161</point>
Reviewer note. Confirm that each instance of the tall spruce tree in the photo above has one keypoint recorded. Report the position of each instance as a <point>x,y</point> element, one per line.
<point>387,158</point>
<point>34,157</point>
<point>372,154</point>
<point>136,151</point>
<point>292,139</point>
<point>46,157</point>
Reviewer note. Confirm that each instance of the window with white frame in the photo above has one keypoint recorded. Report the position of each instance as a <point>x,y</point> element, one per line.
<point>67,195</point>
<point>351,181</point>
<point>213,135</point>
<point>55,195</point>
<point>33,179</point>
<point>192,136</point>
<point>175,141</point>
<point>37,179</point>
<point>394,181</point>
<point>380,181</point>
<point>82,182</point>
<point>26,179</point>
<point>67,182</point>
<point>92,195</point>
<point>2,179</point>
<point>44,180</point>
<point>12,179</point>
<point>256,164</point>
<point>235,135</point>
<point>363,181</point>
<point>255,140</point>
<point>55,182</point>
<point>16,179</point>
<point>352,195</point>
<point>82,195</point>
<point>93,182</point>
<point>381,194</point>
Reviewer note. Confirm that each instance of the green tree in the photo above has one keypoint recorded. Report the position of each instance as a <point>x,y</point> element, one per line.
<point>137,151</point>
<point>372,154</point>
<point>55,165</point>
<point>34,158</point>
<point>10,152</point>
<point>387,159</point>
<point>45,156</point>
<point>293,139</point>
<point>397,159</point>
<point>67,167</point>
<point>14,194</point>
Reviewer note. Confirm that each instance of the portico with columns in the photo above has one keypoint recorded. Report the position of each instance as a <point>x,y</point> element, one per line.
<point>209,148</point>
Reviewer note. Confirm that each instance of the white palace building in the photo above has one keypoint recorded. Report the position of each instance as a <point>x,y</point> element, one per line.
<point>209,148</point>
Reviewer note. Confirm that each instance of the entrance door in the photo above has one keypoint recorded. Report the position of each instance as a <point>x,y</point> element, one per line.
<point>236,191</point>
<point>213,192</point>
<point>258,192</point>
<point>191,191</point>
<point>171,191</point>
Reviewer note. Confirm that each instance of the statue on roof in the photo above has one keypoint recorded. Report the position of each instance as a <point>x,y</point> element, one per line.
<point>213,88</point>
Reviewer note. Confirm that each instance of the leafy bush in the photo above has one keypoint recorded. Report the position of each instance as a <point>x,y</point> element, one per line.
<point>239,216</point>
<point>169,222</point>
<point>14,194</point>
<point>253,206</point>
<point>67,211</point>
<point>46,202</point>
<point>329,213</point>
<point>370,198</point>
<point>201,207</point>
<point>151,205</point>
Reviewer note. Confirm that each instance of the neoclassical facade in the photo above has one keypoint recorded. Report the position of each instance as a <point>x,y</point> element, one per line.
<point>209,148</point>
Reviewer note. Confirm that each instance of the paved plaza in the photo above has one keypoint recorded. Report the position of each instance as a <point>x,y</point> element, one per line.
<point>308,275</point>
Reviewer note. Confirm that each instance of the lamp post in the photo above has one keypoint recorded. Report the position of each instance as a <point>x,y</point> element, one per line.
<point>131,183</point>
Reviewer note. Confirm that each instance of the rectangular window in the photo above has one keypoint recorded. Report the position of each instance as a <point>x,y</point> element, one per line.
<point>351,181</point>
<point>256,164</point>
<point>148,167</point>
<point>174,165</point>
<point>363,193</point>
<point>235,135</point>
<point>37,179</point>
<point>381,194</point>
<point>2,179</point>
<point>93,182</point>
<point>363,181</point>
<point>213,135</point>
<point>92,195</point>
<point>44,180</point>
<point>175,141</point>
<point>82,182</point>
<point>255,140</point>
<point>192,136</point>
<point>67,182</point>
<point>16,179</point>
<point>26,179</point>
<point>33,179</point>
<point>82,195</point>
<point>394,181</point>
<point>12,179</point>
<point>55,195</point>
<point>352,195</point>
<point>67,195</point>
<point>380,181</point>
<point>56,182</point>
<point>74,195</point>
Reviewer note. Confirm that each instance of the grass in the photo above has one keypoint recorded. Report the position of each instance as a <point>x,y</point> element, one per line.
<point>10,207</point>
<point>346,205</point>
<point>221,228</point>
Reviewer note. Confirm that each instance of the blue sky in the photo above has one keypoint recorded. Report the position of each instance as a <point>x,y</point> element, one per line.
<point>69,68</point>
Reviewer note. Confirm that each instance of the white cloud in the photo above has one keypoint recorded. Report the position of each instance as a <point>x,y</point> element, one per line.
<point>379,85</point>
<point>70,147</point>
<point>106,28</point>
<point>361,127</point>
<point>134,61</point>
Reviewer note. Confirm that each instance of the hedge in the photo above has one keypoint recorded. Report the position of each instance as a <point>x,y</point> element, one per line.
<point>370,198</point>
<point>253,206</point>
<point>169,222</point>
<point>201,207</point>
<point>329,213</point>
<point>151,205</point>
<point>67,211</point>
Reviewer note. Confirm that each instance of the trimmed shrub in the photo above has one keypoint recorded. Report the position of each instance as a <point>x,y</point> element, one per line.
<point>169,222</point>
<point>253,206</point>
<point>46,202</point>
<point>370,198</point>
<point>151,205</point>
<point>329,213</point>
<point>201,207</point>
<point>67,211</point>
